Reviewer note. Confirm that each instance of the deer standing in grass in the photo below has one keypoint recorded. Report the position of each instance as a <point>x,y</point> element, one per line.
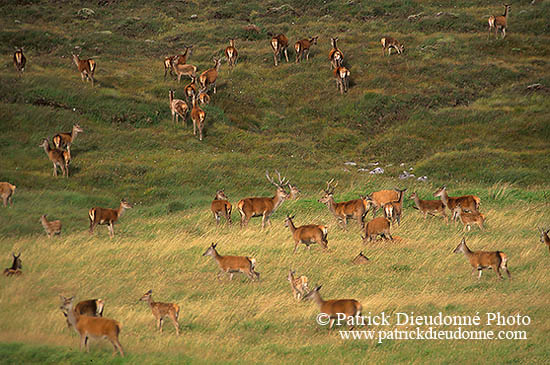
<point>65,140</point>
<point>499,22</point>
<point>429,206</point>
<point>377,227</point>
<point>380,198</point>
<point>93,327</point>
<point>57,157</point>
<point>16,266</point>
<point>162,310</point>
<point>360,259</point>
<point>90,307</point>
<point>342,75</point>
<point>302,48</point>
<point>178,108</point>
<point>185,70</point>
<point>389,43</point>
<point>51,227</point>
<point>197,116</point>
<point>233,264</point>
<point>294,192</point>
<point>469,202</point>
<point>221,207</point>
<point>191,90</point>
<point>393,210</point>
<point>297,284</point>
<point>19,61</point>
<point>279,45</point>
<point>209,77</point>
<point>171,61</point>
<point>86,68</point>
<point>107,216</point>
<point>231,53</point>
<point>349,307</point>
<point>354,209</point>
<point>204,98</point>
<point>480,260</point>
<point>335,56</point>
<point>263,207</point>
<point>307,234</point>
<point>544,238</point>
<point>470,218</point>
<point>6,192</point>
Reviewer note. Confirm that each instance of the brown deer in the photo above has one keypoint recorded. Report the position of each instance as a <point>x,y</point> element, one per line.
<point>307,234</point>
<point>302,48</point>
<point>57,157</point>
<point>544,238</point>
<point>204,98</point>
<point>360,259</point>
<point>51,228</point>
<point>469,202</point>
<point>294,192</point>
<point>298,285</point>
<point>380,198</point>
<point>388,43</point>
<point>16,266</point>
<point>65,140</point>
<point>499,22</point>
<point>393,210</point>
<point>279,45</point>
<point>90,307</point>
<point>191,90</point>
<point>429,206</point>
<point>349,307</point>
<point>162,310</point>
<point>19,61</point>
<point>178,108</point>
<point>335,56</point>
<point>480,260</point>
<point>263,207</point>
<point>221,207</point>
<point>197,116</point>
<point>185,70</point>
<point>86,68</point>
<point>96,327</point>
<point>341,75</point>
<point>181,59</point>
<point>107,216</point>
<point>354,209</point>
<point>6,192</point>
<point>231,53</point>
<point>377,227</point>
<point>470,218</point>
<point>210,76</point>
<point>233,264</point>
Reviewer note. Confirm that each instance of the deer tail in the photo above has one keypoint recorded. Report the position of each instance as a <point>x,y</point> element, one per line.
<point>91,63</point>
<point>91,214</point>
<point>504,259</point>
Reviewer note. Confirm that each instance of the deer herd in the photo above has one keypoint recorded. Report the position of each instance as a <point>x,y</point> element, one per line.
<point>86,317</point>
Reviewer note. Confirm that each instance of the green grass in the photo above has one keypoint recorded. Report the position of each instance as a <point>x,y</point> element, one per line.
<point>454,107</point>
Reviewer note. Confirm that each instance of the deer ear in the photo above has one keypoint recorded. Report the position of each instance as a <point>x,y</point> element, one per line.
<point>318,288</point>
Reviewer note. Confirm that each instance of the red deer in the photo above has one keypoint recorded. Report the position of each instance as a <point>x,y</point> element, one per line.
<point>191,90</point>
<point>388,43</point>
<point>377,227</point>
<point>16,266</point>
<point>231,53</point>
<point>302,48</point>
<point>107,216</point>
<point>480,260</point>
<point>294,192</point>
<point>162,310</point>
<point>57,157</point>
<point>394,210</point>
<point>233,264</point>
<point>469,202</point>
<point>469,218</point>
<point>354,209</point>
<point>185,70</point>
<point>19,60</point>
<point>204,98</point>
<point>544,238</point>
<point>349,307</point>
<point>298,285</point>
<point>65,140</point>
<point>307,234</point>
<point>429,206</point>
<point>6,191</point>
<point>360,259</point>
<point>197,116</point>
<point>52,227</point>
<point>97,327</point>
<point>210,76</point>
<point>221,207</point>
<point>335,56</point>
<point>178,108</point>
<point>90,307</point>
<point>171,61</point>
<point>341,75</point>
<point>86,68</point>
<point>499,22</point>
<point>279,45</point>
<point>263,207</point>
<point>380,198</point>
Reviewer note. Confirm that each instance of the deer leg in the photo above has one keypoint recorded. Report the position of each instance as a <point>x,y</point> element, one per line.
<point>479,271</point>
<point>194,127</point>
<point>286,54</point>
<point>331,324</point>
<point>503,33</point>
<point>217,218</point>
<point>5,201</point>
<point>54,170</point>
<point>275,58</point>
<point>295,246</point>
<point>111,230</point>
<point>92,226</point>
<point>82,76</point>
<point>507,272</point>
<point>231,276</point>
<point>159,323</point>
<point>87,343</point>
<point>496,268</point>
<point>176,325</point>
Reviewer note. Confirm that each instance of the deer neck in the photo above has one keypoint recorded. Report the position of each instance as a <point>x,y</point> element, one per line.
<point>417,201</point>
<point>332,205</point>
<point>14,265</point>
<point>505,15</point>
<point>216,255</point>
<point>317,298</point>
<point>46,148</point>
<point>467,251</point>
<point>72,317</point>
<point>277,201</point>
<point>73,134</point>
<point>150,302</point>
<point>445,198</point>
<point>171,97</point>
<point>120,210</point>
<point>76,60</point>
<point>401,195</point>
<point>546,238</point>
<point>292,229</point>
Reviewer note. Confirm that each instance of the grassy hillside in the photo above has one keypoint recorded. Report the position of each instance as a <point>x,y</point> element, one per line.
<point>455,107</point>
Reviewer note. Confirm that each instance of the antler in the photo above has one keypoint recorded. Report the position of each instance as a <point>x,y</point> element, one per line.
<point>282,181</point>
<point>330,187</point>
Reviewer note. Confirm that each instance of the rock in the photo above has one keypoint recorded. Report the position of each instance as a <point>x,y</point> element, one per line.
<point>350,163</point>
<point>193,16</point>
<point>106,32</point>
<point>377,171</point>
<point>149,41</point>
<point>374,163</point>
<point>422,178</point>
<point>363,170</point>
<point>85,13</point>
<point>405,175</point>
